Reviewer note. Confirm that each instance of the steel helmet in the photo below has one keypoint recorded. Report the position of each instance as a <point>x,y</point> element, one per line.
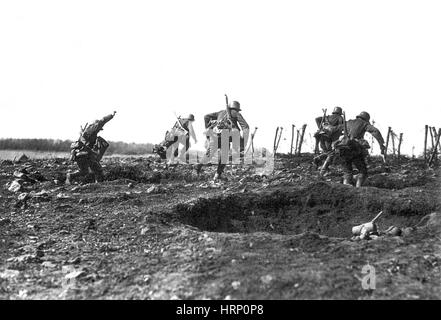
<point>364,115</point>
<point>235,105</point>
<point>337,110</point>
<point>191,117</point>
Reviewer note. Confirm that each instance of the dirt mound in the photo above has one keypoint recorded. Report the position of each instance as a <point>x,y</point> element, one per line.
<point>132,172</point>
<point>397,181</point>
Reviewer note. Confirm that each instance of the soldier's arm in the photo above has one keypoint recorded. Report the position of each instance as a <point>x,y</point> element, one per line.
<point>341,120</point>
<point>244,126</point>
<point>191,132</point>
<point>340,127</point>
<point>209,117</point>
<point>107,118</point>
<point>375,133</point>
<point>99,124</point>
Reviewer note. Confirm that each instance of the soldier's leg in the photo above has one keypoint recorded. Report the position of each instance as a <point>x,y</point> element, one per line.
<point>221,165</point>
<point>97,171</point>
<point>211,147</point>
<point>347,168</point>
<point>360,164</point>
<point>170,143</point>
<point>322,145</point>
<point>187,146</point>
<point>326,164</point>
<point>83,165</point>
<point>181,152</point>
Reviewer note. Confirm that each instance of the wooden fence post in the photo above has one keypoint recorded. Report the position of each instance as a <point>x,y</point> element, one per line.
<point>399,145</point>
<point>426,127</point>
<point>301,138</point>
<point>393,142</point>
<point>297,141</point>
<point>275,140</point>
<point>431,136</point>
<point>435,149</point>
<point>278,140</point>
<point>292,140</point>
<point>387,140</point>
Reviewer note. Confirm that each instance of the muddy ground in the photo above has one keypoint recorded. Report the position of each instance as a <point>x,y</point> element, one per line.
<point>152,232</point>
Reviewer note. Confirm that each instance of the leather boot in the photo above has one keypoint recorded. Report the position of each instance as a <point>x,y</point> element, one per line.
<point>361,178</point>
<point>347,179</point>
<point>68,179</point>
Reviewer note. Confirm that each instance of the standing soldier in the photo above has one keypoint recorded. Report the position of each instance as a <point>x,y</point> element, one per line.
<point>180,133</point>
<point>229,119</point>
<point>353,147</point>
<point>88,151</point>
<point>327,134</point>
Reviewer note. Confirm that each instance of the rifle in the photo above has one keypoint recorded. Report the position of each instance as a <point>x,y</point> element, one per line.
<point>179,122</point>
<point>229,123</point>
<point>323,118</point>
<point>345,132</point>
<point>82,130</point>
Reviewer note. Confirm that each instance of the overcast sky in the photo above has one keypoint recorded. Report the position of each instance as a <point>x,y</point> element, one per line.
<point>65,63</point>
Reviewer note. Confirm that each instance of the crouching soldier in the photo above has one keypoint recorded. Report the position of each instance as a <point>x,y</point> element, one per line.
<point>180,133</point>
<point>227,123</point>
<point>352,147</point>
<point>328,133</point>
<point>88,151</point>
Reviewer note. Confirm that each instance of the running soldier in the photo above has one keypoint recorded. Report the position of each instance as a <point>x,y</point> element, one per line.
<point>179,134</point>
<point>88,151</point>
<point>226,123</point>
<point>327,134</point>
<point>352,147</point>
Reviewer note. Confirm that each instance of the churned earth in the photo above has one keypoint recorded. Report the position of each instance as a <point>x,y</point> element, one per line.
<point>156,232</point>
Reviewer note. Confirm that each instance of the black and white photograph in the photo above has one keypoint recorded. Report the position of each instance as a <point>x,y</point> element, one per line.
<point>230,151</point>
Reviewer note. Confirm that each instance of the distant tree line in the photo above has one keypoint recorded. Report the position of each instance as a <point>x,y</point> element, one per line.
<point>52,145</point>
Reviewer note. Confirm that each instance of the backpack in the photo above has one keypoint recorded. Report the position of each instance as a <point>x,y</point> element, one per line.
<point>100,147</point>
<point>326,132</point>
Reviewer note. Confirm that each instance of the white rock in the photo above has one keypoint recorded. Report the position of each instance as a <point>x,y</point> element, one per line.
<point>235,285</point>
<point>9,274</point>
<point>74,274</point>
<point>22,196</point>
<point>266,279</point>
<point>14,186</point>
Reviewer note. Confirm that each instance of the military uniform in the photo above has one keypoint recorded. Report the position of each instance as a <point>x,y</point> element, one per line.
<point>353,149</point>
<point>183,128</point>
<point>237,122</point>
<point>328,133</point>
<point>88,151</point>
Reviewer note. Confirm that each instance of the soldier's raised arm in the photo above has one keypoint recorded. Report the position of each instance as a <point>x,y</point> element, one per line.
<point>377,135</point>
<point>100,123</point>
<point>107,118</point>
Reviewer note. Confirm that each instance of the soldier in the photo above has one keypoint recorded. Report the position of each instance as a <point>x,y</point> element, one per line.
<point>229,119</point>
<point>353,147</point>
<point>327,134</point>
<point>180,133</point>
<point>88,151</point>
